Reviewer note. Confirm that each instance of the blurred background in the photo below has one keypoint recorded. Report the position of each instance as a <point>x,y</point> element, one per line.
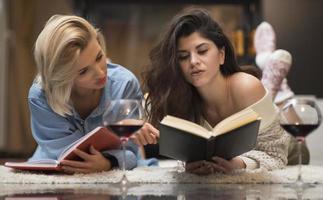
<point>131,28</point>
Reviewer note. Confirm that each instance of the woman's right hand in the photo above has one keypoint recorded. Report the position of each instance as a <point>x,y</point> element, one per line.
<point>93,161</point>
<point>216,165</point>
<point>146,135</point>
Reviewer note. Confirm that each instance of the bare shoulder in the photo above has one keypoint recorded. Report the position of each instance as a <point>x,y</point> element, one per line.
<point>245,89</point>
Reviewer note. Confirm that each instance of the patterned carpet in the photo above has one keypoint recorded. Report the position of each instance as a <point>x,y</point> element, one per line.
<point>165,174</point>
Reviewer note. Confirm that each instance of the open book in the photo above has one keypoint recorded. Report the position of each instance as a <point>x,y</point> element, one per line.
<point>187,141</point>
<point>100,138</point>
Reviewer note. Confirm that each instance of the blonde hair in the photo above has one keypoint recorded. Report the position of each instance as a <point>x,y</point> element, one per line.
<point>57,49</point>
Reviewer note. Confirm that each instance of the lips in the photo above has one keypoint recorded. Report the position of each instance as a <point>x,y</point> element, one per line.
<point>196,72</point>
<point>102,81</point>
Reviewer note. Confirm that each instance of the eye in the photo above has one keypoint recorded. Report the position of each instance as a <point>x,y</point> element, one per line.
<point>202,51</point>
<point>83,71</point>
<point>99,57</point>
<point>182,57</point>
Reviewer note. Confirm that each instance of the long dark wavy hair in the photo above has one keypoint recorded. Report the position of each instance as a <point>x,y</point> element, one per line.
<point>168,91</point>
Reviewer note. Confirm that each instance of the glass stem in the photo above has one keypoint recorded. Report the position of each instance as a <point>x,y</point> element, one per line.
<point>299,151</point>
<point>124,157</point>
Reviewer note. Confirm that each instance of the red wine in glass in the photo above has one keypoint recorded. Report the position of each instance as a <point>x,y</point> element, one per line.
<point>124,131</point>
<point>299,130</point>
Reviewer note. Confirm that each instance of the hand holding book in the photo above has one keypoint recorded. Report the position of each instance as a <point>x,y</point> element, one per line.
<point>100,138</point>
<point>184,140</point>
<point>148,134</point>
<point>216,164</point>
<point>93,161</point>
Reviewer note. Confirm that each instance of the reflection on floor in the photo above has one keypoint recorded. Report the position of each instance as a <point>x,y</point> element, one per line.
<point>161,191</point>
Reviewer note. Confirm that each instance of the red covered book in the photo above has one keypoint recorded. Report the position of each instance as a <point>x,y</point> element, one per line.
<point>100,138</point>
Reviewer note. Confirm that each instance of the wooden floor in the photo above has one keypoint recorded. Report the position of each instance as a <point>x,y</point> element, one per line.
<point>164,191</point>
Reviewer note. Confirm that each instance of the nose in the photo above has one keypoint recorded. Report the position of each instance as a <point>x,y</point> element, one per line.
<point>100,71</point>
<point>194,59</point>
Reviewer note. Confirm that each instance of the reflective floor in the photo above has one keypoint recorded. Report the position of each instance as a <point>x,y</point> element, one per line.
<point>158,191</point>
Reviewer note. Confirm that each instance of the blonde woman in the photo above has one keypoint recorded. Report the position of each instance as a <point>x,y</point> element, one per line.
<point>68,96</point>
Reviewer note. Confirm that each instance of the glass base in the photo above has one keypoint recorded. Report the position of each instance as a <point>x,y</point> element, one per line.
<point>124,186</point>
<point>180,168</point>
<point>124,181</point>
<point>299,185</point>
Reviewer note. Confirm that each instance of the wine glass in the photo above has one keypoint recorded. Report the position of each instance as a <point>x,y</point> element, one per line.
<point>300,117</point>
<point>124,117</point>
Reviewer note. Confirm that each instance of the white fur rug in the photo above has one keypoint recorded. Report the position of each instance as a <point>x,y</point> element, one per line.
<point>167,173</point>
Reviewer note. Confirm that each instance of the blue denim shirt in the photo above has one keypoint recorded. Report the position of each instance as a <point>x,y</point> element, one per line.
<point>53,133</point>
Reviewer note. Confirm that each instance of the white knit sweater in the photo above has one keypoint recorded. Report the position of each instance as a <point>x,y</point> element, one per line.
<point>272,144</point>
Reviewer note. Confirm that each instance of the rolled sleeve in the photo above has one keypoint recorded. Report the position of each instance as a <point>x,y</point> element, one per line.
<point>271,150</point>
<point>130,161</point>
<point>131,152</point>
<point>250,163</point>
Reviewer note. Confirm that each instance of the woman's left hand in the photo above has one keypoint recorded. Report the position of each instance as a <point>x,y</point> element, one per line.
<point>148,134</point>
<point>92,162</point>
<point>216,165</point>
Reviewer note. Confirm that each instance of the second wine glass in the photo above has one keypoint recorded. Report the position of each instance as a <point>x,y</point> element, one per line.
<point>124,117</point>
<point>300,117</point>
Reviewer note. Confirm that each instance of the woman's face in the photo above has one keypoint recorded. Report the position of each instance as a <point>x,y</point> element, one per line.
<point>199,59</point>
<point>91,69</point>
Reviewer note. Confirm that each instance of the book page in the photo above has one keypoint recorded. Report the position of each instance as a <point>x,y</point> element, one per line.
<point>186,126</point>
<point>72,146</point>
<point>43,161</point>
<point>234,121</point>
<point>46,163</point>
